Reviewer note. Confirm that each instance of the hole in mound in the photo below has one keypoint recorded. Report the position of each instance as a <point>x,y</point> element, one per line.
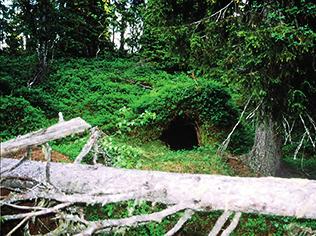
<point>181,134</point>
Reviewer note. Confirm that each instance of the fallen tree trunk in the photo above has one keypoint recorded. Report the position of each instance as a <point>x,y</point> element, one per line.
<point>267,195</point>
<point>57,131</point>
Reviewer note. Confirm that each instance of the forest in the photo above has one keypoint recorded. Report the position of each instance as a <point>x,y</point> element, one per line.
<point>158,117</point>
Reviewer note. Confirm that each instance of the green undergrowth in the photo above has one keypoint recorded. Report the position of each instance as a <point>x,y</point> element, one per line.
<point>201,222</point>
<point>130,152</point>
<point>111,93</point>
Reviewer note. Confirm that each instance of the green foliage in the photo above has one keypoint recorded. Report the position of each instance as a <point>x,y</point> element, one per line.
<point>127,209</point>
<point>127,121</point>
<point>132,152</point>
<point>71,147</point>
<point>83,27</point>
<point>15,72</point>
<point>122,155</point>
<point>203,101</point>
<point>18,117</point>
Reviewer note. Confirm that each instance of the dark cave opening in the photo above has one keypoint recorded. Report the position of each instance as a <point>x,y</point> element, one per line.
<point>181,134</point>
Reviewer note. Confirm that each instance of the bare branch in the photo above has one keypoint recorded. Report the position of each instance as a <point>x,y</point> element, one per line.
<point>232,225</point>
<point>299,146</point>
<point>313,123</point>
<point>132,221</point>
<point>95,134</point>
<point>187,215</point>
<point>288,130</point>
<point>37,213</point>
<point>220,223</point>
<point>307,132</point>
<point>57,131</point>
<point>219,12</point>
<point>251,114</point>
<point>224,144</point>
<point>18,225</point>
<point>47,150</point>
<point>95,153</point>
<point>23,207</point>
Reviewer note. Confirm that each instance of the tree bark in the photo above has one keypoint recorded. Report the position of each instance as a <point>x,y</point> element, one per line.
<point>265,155</point>
<point>266,195</point>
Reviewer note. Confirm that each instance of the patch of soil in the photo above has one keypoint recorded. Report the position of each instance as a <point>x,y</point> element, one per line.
<point>37,155</point>
<point>41,225</point>
<point>239,167</point>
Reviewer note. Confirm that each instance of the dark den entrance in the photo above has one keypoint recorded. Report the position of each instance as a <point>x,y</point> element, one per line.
<point>181,134</point>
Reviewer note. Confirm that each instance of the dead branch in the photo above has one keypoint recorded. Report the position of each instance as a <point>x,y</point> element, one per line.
<point>220,223</point>
<point>307,132</point>
<point>299,146</point>
<point>232,225</point>
<point>23,207</point>
<point>187,215</point>
<point>288,130</point>
<point>18,225</point>
<point>37,213</point>
<point>132,221</point>
<point>224,144</point>
<point>95,134</point>
<point>57,131</point>
<point>47,150</point>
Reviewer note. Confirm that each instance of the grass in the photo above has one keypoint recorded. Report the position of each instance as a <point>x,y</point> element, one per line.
<point>155,155</point>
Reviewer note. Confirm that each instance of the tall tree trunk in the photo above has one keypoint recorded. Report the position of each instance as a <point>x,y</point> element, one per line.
<point>265,155</point>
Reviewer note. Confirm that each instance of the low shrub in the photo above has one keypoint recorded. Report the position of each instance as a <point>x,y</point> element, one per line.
<point>18,117</point>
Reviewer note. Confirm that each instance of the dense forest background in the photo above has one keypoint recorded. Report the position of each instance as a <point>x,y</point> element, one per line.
<point>142,70</point>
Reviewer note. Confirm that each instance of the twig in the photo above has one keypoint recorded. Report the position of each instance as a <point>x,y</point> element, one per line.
<point>220,223</point>
<point>214,14</point>
<point>18,226</point>
<point>187,215</point>
<point>224,144</point>
<point>232,225</point>
<point>307,131</point>
<point>312,122</point>
<point>288,130</point>
<point>23,207</point>
<point>299,146</point>
<point>37,213</point>
<point>251,114</point>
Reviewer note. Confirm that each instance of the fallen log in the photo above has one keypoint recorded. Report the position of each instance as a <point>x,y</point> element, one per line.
<point>57,131</point>
<point>266,195</point>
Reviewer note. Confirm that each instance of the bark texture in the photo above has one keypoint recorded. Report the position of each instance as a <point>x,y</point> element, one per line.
<point>265,155</point>
<point>266,195</point>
